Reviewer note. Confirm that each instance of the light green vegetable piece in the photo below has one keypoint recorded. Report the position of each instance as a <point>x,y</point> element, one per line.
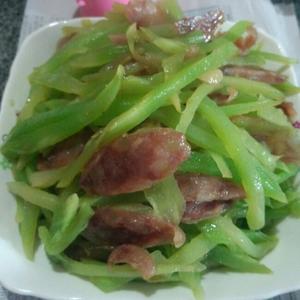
<point>166,199</point>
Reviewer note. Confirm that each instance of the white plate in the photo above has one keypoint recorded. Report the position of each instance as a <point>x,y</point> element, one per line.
<point>38,278</point>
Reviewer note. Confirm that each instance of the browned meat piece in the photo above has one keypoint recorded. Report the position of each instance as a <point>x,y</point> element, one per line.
<point>245,43</point>
<point>206,196</point>
<point>288,109</point>
<point>64,152</point>
<point>219,98</point>
<point>195,211</point>
<point>224,98</point>
<point>208,24</point>
<point>145,12</point>
<point>137,257</point>
<point>254,73</point>
<point>135,162</point>
<point>114,226</point>
<point>203,188</point>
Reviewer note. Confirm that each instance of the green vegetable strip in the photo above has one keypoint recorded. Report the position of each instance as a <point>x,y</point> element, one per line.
<point>49,128</point>
<point>236,260</point>
<point>201,138</point>
<point>34,196</point>
<point>138,85</point>
<point>260,237</point>
<point>201,163</point>
<point>288,171</point>
<point>56,243</point>
<point>19,212</point>
<point>64,213</point>
<point>27,216</point>
<point>261,152</point>
<point>252,87</point>
<point>222,165</point>
<point>120,105</point>
<point>248,59</point>
<point>192,280</point>
<point>270,183</point>
<point>99,57</point>
<point>149,104</point>
<point>191,106</point>
<point>28,227</point>
<point>94,269</point>
<point>166,199</point>
<point>172,64</point>
<point>245,108</point>
<point>60,80</point>
<point>51,104</point>
<point>193,38</point>
<point>37,95</point>
<point>295,209</point>
<point>223,231</point>
<point>275,57</point>
<point>193,251</point>
<point>45,179</point>
<point>228,133</point>
<point>132,38</point>
<point>195,134</point>
<point>169,46</point>
<point>275,116</point>
<point>288,88</point>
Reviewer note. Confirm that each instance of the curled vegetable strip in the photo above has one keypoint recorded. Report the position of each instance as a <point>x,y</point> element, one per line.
<point>191,106</point>
<point>168,46</point>
<point>252,183</point>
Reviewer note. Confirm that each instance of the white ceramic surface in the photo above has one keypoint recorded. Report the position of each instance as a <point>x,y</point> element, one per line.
<point>38,278</point>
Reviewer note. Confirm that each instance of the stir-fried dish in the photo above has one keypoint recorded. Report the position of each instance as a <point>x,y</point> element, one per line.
<point>156,147</point>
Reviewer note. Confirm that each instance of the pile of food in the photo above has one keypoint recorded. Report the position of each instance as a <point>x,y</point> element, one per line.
<point>155,147</point>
